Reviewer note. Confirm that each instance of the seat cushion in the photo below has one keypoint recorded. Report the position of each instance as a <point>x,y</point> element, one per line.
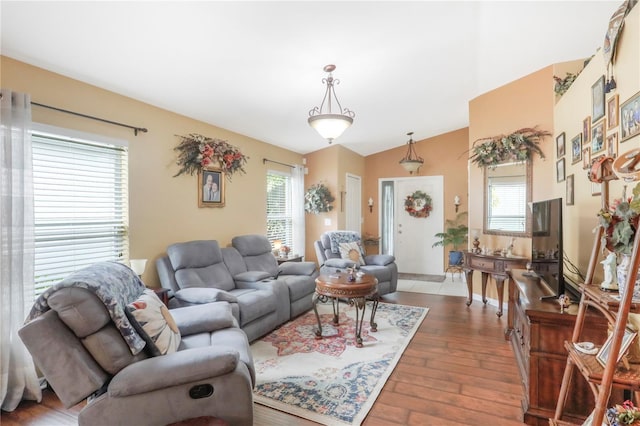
<point>155,323</point>
<point>255,304</point>
<point>299,286</point>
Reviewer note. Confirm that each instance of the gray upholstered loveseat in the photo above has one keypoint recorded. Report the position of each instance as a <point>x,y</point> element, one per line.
<point>262,293</point>
<point>87,349</point>
<point>382,266</point>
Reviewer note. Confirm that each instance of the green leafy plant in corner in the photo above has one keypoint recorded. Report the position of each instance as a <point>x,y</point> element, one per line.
<point>318,199</point>
<point>562,84</point>
<point>455,234</point>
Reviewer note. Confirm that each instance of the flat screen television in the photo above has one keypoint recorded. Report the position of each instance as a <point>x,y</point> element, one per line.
<point>546,243</point>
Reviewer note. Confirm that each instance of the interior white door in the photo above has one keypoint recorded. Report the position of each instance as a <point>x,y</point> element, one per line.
<point>414,236</point>
<point>353,204</point>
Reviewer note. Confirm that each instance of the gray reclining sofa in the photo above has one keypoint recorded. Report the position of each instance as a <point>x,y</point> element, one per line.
<point>263,294</point>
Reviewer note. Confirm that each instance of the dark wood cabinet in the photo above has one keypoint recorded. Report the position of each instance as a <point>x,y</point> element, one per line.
<point>537,331</point>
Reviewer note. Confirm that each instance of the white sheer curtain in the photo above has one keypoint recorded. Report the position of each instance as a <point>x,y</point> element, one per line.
<point>297,206</point>
<point>18,379</point>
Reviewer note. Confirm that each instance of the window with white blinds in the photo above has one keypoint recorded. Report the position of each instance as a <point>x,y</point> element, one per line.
<point>507,206</point>
<point>279,212</point>
<point>80,205</point>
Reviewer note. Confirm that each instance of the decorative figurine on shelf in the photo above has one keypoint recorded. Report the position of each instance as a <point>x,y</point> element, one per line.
<point>564,302</point>
<point>610,282</point>
<point>350,275</point>
<point>476,242</point>
<point>510,248</point>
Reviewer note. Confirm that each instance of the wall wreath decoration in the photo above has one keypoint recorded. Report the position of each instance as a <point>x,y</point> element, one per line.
<point>196,152</point>
<point>418,204</point>
<point>318,199</point>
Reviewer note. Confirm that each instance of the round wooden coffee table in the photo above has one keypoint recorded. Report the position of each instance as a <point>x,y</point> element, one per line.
<point>337,286</point>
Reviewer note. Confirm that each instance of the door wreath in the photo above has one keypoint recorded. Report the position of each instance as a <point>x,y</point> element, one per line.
<point>418,204</point>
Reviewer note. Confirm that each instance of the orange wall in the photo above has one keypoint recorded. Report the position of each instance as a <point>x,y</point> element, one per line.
<point>444,155</point>
<point>527,102</point>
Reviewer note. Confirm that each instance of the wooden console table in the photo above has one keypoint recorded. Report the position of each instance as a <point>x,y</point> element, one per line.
<point>497,266</point>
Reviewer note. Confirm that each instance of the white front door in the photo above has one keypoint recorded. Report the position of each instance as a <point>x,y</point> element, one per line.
<point>414,236</point>
<point>353,220</point>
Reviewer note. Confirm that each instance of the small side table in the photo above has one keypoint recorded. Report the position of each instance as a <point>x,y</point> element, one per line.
<point>281,260</point>
<point>163,295</point>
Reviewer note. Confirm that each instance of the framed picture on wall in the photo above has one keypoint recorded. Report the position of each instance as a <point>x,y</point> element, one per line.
<point>612,145</point>
<point>586,159</point>
<point>560,176</point>
<point>569,193</point>
<point>630,118</point>
<point>586,130</point>
<point>560,142</point>
<point>211,188</point>
<point>597,138</point>
<point>597,100</point>
<point>612,112</point>
<point>576,149</point>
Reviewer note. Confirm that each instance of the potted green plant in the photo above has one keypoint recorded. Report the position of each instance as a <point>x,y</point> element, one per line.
<point>456,233</point>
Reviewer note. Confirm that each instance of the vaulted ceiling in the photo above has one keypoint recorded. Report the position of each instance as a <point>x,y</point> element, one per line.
<point>256,68</point>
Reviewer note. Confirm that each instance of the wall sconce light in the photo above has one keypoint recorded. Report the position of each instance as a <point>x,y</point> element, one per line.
<point>138,266</point>
<point>456,202</point>
<point>370,205</point>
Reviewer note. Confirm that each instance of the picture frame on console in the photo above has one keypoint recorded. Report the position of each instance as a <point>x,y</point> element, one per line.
<point>211,188</point>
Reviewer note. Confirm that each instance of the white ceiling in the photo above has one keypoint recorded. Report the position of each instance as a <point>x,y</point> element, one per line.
<point>256,68</point>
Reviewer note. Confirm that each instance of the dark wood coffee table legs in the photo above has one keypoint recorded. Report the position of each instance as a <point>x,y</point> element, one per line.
<point>360,304</point>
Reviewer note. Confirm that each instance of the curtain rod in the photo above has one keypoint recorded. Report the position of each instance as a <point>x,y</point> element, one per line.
<point>135,129</point>
<point>264,161</point>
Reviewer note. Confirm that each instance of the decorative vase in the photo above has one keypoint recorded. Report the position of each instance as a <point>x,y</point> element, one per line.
<point>622,272</point>
<point>633,320</point>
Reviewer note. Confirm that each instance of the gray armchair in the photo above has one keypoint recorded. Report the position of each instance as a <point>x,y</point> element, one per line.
<point>80,346</point>
<point>382,266</point>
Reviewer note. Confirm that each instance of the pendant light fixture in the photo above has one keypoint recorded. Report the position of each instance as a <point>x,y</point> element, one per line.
<point>330,124</point>
<point>411,161</point>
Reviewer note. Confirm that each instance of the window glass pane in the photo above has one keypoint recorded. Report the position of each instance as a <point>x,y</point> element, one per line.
<point>80,206</point>
<point>279,213</point>
<point>507,204</point>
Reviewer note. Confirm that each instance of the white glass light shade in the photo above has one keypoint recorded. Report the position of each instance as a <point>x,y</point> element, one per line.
<point>138,265</point>
<point>411,165</point>
<point>330,126</point>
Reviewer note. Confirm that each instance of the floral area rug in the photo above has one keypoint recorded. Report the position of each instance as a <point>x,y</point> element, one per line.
<point>330,380</point>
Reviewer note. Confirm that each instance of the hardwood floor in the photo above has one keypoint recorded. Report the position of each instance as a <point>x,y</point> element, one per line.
<point>457,370</point>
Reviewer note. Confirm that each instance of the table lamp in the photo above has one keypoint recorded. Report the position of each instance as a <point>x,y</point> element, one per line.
<point>138,265</point>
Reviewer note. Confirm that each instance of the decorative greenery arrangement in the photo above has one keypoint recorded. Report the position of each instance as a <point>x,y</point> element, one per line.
<point>620,223</point>
<point>517,146</point>
<point>625,414</point>
<point>197,151</point>
<point>418,204</point>
<point>318,199</point>
<point>456,232</point>
<point>563,84</point>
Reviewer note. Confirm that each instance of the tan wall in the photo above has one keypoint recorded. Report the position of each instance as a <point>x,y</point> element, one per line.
<point>330,166</point>
<point>163,209</point>
<point>443,155</point>
<point>574,106</point>
<point>527,102</point>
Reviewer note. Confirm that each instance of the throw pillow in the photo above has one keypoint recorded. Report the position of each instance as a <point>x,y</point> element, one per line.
<point>155,324</point>
<point>352,252</point>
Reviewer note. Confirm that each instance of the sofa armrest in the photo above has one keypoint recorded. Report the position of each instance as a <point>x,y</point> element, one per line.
<point>200,295</point>
<point>173,369</point>
<point>379,259</point>
<point>203,318</point>
<point>336,262</point>
<point>252,276</point>
<point>297,268</point>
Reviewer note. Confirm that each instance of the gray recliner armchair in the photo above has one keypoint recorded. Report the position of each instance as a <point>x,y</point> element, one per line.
<point>86,349</point>
<point>382,266</point>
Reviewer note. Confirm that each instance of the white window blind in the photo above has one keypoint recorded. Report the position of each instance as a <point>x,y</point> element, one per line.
<point>508,204</point>
<point>279,212</point>
<point>80,206</point>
